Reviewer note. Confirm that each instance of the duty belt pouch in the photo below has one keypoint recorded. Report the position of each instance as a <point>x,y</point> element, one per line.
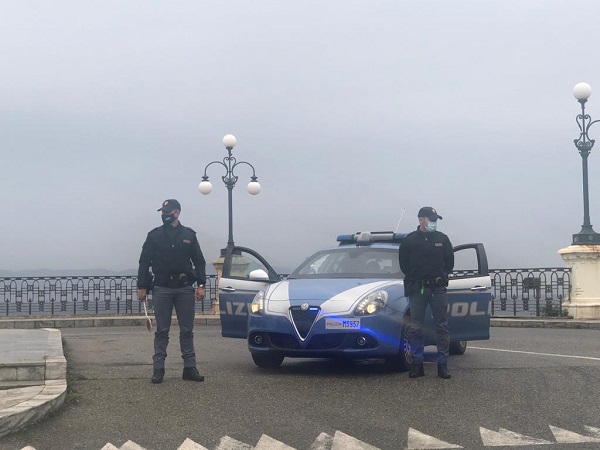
<point>179,280</point>
<point>446,279</point>
<point>440,281</point>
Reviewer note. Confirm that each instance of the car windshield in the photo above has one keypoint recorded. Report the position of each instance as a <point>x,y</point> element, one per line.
<point>351,262</point>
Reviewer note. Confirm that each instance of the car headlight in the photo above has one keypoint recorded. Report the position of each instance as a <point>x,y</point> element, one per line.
<point>258,303</point>
<point>371,304</point>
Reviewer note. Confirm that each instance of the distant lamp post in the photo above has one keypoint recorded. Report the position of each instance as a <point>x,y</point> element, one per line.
<point>229,163</point>
<point>584,144</point>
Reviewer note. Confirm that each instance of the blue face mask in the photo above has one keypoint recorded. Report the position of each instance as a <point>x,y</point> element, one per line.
<point>431,227</point>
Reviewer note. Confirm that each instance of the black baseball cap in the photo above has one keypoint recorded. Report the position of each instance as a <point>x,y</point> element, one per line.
<point>169,205</point>
<point>429,212</point>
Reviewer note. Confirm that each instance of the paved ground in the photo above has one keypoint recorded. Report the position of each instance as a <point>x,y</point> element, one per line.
<point>523,387</point>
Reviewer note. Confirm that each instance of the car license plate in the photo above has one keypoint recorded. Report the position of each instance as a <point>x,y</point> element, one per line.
<point>342,324</point>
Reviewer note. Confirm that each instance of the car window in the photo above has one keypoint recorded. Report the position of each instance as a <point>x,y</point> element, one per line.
<point>465,263</point>
<point>243,263</point>
<point>351,262</point>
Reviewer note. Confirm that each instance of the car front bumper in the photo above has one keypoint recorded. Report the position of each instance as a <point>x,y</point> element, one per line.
<point>377,337</point>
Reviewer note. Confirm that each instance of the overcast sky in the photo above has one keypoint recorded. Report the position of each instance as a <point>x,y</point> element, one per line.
<point>351,111</point>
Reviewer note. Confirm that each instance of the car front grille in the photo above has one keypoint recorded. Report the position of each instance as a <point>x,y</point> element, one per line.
<point>326,341</point>
<point>303,320</point>
<point>284,341</point>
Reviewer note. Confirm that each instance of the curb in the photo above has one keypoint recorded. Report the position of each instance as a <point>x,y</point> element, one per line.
<point>103,321</point>
<point>520,322</point>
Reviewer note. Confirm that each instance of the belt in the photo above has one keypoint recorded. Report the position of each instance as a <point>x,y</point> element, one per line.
<point>434,282</point>
<point>171,280</point>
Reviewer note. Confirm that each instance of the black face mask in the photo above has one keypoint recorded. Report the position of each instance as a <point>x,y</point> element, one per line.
<point>168,218</point>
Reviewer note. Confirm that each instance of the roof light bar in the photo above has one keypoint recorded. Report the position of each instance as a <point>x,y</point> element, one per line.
<point>364,238</point>
<point>369,237</point>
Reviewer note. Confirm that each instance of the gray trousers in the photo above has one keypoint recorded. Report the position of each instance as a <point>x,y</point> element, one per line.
<point>184,300</point>
<point>437,298</point>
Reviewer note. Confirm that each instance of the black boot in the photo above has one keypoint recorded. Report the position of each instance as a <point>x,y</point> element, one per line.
<point>416,370</point>
<point>158,375</point>
<point>192,374</point>
<point>443,371</point>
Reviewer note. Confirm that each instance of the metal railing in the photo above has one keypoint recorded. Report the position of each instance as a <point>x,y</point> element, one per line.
<point>530,292</point>
<point>81,295</point>
<point>515,292</point>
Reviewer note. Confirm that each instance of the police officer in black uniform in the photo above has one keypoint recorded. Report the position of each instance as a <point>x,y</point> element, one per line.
<point>170,250</point>
<point>426,259</point>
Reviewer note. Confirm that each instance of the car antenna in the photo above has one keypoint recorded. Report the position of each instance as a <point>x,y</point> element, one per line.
<point>399,220</point>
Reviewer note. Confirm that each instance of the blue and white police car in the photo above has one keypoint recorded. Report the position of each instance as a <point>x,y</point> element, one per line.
<point>345,302</point>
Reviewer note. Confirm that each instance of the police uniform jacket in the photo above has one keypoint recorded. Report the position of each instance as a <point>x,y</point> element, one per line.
<point>425,255</point>
<point>171,251</point>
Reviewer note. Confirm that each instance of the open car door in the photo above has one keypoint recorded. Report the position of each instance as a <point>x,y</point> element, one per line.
<point>245,272</point>
<point>469,294</point>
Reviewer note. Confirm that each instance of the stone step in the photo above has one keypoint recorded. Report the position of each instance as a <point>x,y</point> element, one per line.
<point>14,374</point>
<point>31,357</point>
<point>21,406</point>
<point>33,372</point>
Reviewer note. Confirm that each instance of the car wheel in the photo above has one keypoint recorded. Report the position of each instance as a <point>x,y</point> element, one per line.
<point>267,360</point>
<point>402,361</point>
<point>458,347</point>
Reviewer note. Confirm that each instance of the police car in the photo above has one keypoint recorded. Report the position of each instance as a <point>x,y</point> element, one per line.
<point>345,302</point>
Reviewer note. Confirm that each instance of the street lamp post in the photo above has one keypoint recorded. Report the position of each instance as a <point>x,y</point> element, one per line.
<point>583,255</point>
<point>229,163</point>
<point>587,236</point>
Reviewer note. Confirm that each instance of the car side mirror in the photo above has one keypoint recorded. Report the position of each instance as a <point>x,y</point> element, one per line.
<point>258,275</point>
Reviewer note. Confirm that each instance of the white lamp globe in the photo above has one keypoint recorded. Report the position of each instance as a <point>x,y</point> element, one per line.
<point>582,91</point>
<point>253,187</point>
<point>229,141</point>
<point>205,187</point>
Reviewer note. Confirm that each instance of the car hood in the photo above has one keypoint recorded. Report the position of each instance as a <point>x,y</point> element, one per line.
<point>333,296</point>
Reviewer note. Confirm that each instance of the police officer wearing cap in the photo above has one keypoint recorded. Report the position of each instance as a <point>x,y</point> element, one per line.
<point>426,259</point>
<point>171,250</point>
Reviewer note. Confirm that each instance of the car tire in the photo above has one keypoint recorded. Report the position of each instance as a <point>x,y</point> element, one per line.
<point>267,360</point>
<point>458,347</point>
<point>402,361</point>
